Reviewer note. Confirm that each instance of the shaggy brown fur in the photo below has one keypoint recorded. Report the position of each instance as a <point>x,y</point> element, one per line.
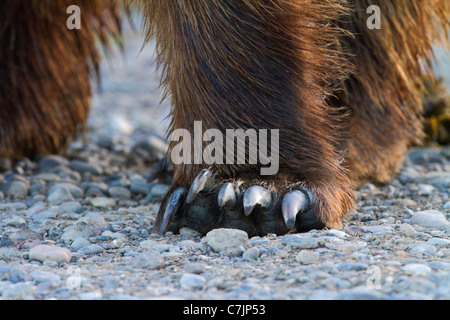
<point>346,99</point>
<point>385,90</point>
<point>45,70</point>
<point>204,49</point>
<point>281,64</point>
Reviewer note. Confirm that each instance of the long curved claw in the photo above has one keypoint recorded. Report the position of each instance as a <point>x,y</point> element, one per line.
<point>227,195</point>
<point>293,203</point>
<point>173,204</point>
<point>198,185</point>
<point>256,196</point>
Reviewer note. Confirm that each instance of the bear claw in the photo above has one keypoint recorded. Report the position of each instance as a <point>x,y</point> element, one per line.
<point>256,209</point>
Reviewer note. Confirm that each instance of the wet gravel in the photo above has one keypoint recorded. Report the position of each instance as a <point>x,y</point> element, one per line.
<point>78,225</point>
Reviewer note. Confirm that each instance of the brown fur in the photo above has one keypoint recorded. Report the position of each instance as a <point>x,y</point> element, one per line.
<point>204,49</point>
<point>369,119</point>
<point>345,99</point>
<point>45,70</point>
<point>385,90</point>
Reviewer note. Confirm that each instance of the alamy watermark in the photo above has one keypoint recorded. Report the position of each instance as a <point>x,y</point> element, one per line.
<point>74,20</point>
<point>234,146</point>
<point>374,21</point>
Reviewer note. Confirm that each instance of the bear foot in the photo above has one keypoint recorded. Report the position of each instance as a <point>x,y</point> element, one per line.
<point>255,206</point>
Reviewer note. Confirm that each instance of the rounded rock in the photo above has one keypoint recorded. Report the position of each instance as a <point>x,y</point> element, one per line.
<point>190,281</point>
<point>227,240</point>
<point>308,257</point>
<point>44,253</point>
<point>431,218</point>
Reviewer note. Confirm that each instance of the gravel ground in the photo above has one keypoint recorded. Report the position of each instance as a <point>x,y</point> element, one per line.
<point>77,226</point>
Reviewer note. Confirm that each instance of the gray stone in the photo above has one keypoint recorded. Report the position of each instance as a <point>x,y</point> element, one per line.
<point>150,260</point>
<point>24,235</point>
<point>79,243</point>
<point>337,233</point>
<point>119,193</point>
<point>423,248</point>
<point>83,167</point>
<point>94,219</point>
<point>50,253</point>
<point>150,147</point>
<point>227,240</point>
<point>38,207</point>
<point>102,202</point>
<point>47,177</point>
<point>425,155</point>
<point>91,249</point>
<point>348,266</point>
<point>140,186</point>
<point>46,214</point>
<point>346,247</point>
<point>11,274</point>
<point>15,221</point>
<point>43,276</point>
<point>110,282</point>
<point>251,254</point>
<point>74,190</point>
<point>378,230</point>
<point>79,229</point>
<point>49,163</point>
<point>439,242</point>
<point>408,175</point>
<point>300,242</point>
<point>59,195</point>
<point>157,192</point>
<point>410,284</point>
<point>9,254</point>
<point>148,244</point>
<point>417,269</point>
<point>195,268</point>
<point>13,206</point>
<point>15,189</point>
<point>425,189</point>
<point>190,281</point>
<point>188,232</point>
<point>67,207</point>
<point>407,230</point>
<point>431,218</point>
<point>306,257</point>
<point>440,180</point>
<point>18,291</point>
<point>406,203</point>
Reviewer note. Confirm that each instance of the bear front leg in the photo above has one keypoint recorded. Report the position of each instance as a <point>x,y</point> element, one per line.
<point>253,65</point>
